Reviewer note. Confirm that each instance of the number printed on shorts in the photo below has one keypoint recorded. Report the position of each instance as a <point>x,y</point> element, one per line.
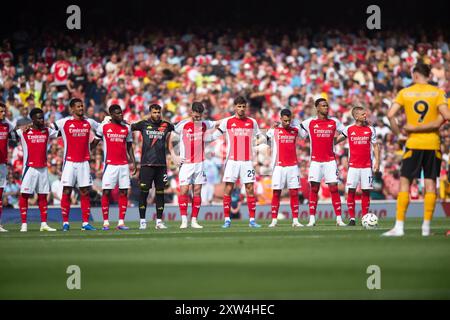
<point>370,180</point>
<point>251,173</point>
<point>165,178</point>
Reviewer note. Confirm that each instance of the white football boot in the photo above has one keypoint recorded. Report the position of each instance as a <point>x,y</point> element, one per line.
<point>46,227</point>
<point>195,225</point>
<point>160,225</point>
<point>142,224</point>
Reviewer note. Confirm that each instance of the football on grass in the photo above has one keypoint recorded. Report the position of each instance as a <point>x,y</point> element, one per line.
<point>369,221</point>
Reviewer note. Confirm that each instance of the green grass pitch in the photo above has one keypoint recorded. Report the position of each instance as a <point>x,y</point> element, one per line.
<point>324,262</point>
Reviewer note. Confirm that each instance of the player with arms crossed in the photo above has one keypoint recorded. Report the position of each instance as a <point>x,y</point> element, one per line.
<point>117,144</point>
<point>321,130</point>
<point>361,139</point>
<point>75,131</point>
<point>285,165</point>
<point>192,145</point>
<point>425,107</point>
<point>34,142</point>
<point>6,133</point>
<point>155,133</point>
<point>240,131</point>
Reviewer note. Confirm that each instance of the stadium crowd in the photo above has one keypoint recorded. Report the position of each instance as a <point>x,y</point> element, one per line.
<point>174,70</point>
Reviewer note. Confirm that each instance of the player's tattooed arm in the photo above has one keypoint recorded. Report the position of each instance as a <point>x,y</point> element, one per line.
<point>395,107</point>
<point>94,144</point>
<point>427,127</point>
<point>444,111</point>
<point>377,152</point>
<point>339,139</point>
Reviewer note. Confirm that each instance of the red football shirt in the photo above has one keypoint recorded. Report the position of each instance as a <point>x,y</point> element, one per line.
<point>75,134</point>
<point>61,70</point>
<point>239,134</point>
<point>321,133</point>
<point>5,128</point>
<point>192,139</point>
<point>283,146</point>
<point>360,140</point>
<point>34,143</point>
<point>115,138</point>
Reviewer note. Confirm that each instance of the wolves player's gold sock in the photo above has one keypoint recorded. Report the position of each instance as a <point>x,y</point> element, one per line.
<point>428,206</point>
<point>402,205</point>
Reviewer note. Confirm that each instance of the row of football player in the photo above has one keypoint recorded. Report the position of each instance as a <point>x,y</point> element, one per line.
<point>239,130</point>
<point>426,108</point>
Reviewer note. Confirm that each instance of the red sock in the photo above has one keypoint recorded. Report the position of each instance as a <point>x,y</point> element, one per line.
<point>196,203</point>
<point>226,205</point>
<point>1,202</point>
<point>23,206</point>
<point>123,203</point>
<point>183,204</point>
<point>251,203</point>
<point>105,206</point>
<point>336,199</point>
<point>65,207</point>
<point>85,207</point>
<point>293,194</point>
<point>351,203</point>
<point>365,201</point>
<point>275,203</point>
<point>313,198</point>
<point>43,205</point>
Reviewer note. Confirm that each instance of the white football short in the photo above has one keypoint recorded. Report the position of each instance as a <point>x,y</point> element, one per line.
<point>35,180</point>
<point>327,170</point>
<point>76,173</point>
<point>359,175</point>
<point>243,170</point>
<point>116,174</point>
<point>283,176</point>
<point>192,173</point>
<point>3,175</point>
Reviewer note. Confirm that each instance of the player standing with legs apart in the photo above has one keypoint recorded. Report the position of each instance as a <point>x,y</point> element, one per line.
<point>423,105</point>
<point>192,154</point>
<point>240,131</point>
<point>6,129</point>
<point>75,131</point>
<point>361,139</point>
<point>35,174</point>
<point>322,130</point>
<point>117,144</point>
<point>285,165</point>
<point>155,133</point>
